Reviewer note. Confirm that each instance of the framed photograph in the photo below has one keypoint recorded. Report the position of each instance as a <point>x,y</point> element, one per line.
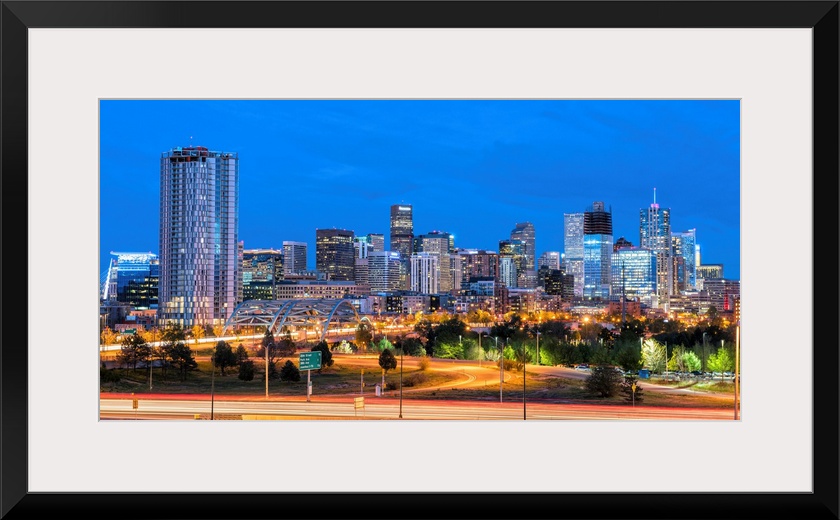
<point>68,65</point>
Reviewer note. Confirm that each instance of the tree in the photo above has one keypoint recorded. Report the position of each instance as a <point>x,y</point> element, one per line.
<point>241,354</point>
<point>653,355</point>
<point>721,361</point>
<point>218,330</point>
<point>387,360</point>
<point>134,350</point>
<point>289,371</point>
<point>691,361</point>
<point>224,356</point>
<point>363,335</point>
<point>182,358</point>
<point>412,347</point>
<point>198,332</point>
<point>604,381</point>
<point>246,371</point>
<point>286,347</point>
<point>163,353</point>
<point>628,354</point>
<point>107,336</point>
<point>326,356</point>
<point>626,389</point>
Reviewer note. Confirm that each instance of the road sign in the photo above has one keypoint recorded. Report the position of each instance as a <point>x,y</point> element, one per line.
<point>134,402</point>
<point>130,331</point>
<point>358,402</point>
<point>310,360</point>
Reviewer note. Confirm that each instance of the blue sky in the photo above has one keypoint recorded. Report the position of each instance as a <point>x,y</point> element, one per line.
<point>473,168</point>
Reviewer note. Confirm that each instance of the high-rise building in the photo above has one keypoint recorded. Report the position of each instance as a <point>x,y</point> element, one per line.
<point>550,260</point>
<point>478,263</point>
<point>655,234</point>
<point>634,274</point>
<point>684,245</point>
<point>199,227</point>
<point>443,245</point>
<point>294,258</point>
<point>507,271</point>
<point>361,246</point>
<point>524,231</point>
<point>261,270</point>
<point>133,279</point>
<point>334,254</point>
<point>597,251</point>
<point>376,241</point>
<point>573,249</point>
<point>514,249</point>
<point>402,237</point>
<point>384,268</point>
<point>425,273</point>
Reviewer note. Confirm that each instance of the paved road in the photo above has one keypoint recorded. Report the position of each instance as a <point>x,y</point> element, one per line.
<point>389,408</point>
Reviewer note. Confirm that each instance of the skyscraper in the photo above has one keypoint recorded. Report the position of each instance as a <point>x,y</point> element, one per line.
<point>549,260</point>
<point>377,241</point>
<point>199,227</point>
<point>684,245</point>
<point>294,258</point>
<point>334,254</point>
<point>442,245</point>
<point>524,231</point>
<point>384,271</point>
<point>425,273</point>
<point>402,237</point>
<point>573,249</point>
<point>634,274</point>
<point>655,234</point>
<point>597,251</point>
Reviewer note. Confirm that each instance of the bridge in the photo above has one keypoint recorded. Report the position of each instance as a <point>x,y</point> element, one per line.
<point>322,315</point>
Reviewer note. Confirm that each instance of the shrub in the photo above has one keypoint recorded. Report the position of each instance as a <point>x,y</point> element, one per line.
<point>604,381</point>
<point>424,364</point>
<point>246,370</point>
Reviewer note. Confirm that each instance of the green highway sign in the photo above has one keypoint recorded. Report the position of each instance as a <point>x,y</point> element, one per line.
<point>310,360</point>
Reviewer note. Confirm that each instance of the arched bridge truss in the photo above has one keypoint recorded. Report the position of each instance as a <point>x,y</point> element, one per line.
<point>320,314</point>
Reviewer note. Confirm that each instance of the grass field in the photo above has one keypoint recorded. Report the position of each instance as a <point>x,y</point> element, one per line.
<point>345,378</point>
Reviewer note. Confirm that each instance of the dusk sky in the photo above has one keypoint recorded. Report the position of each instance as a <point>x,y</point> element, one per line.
<point>473,168</point>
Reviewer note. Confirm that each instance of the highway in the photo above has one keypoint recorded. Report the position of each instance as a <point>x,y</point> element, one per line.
<point>338,408</point>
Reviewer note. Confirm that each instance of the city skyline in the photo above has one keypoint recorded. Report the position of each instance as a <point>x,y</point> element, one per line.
<point>473,168</point>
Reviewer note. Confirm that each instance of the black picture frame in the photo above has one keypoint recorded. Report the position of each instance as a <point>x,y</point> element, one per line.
<point>19,16</point>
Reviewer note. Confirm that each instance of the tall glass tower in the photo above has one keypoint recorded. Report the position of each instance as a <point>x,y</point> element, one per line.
<point>685,245</point>
<point>199,227</point>
<point>402,238</point>
<point>597,251</point>
<point>573,249</point>
<point>655,234</point>
<point>524,231</point>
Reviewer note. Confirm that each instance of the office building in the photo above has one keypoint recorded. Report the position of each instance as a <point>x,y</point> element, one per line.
<point>261,270</point>
<point>597,251</point>
<point>684,246</point>
<point>425,273</point>
<point>384,269</point>
<point>634,274</point>
<point>524,231</point>
<point>655,235</point>
<point>133,279</point>
<point>334,254</point>
<point>573,249</point>
<point>402,238</point>
<point>294,258</point>
<point>199,226</point>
